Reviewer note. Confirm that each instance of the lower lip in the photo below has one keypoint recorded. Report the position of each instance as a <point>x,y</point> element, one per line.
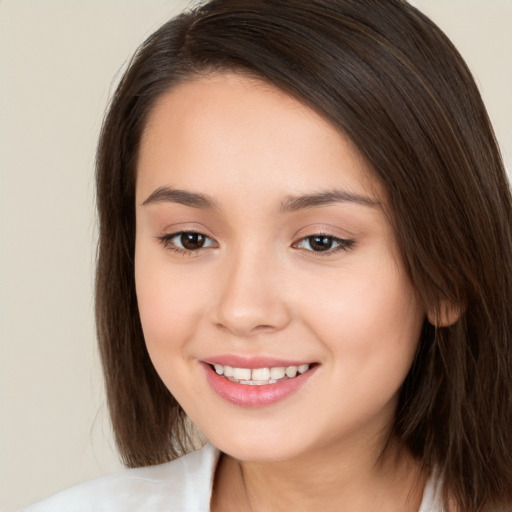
<point>245,395</point>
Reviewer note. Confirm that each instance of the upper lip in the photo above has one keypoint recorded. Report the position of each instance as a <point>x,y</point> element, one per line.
<point>252,362</point>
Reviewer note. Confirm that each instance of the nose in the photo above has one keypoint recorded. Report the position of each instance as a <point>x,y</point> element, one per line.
<point>251,297</point>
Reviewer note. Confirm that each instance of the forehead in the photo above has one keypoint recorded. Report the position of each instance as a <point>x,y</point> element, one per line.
<point>241,130</point>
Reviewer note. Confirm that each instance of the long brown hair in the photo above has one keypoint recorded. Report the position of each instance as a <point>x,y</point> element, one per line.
<point>387,77</point>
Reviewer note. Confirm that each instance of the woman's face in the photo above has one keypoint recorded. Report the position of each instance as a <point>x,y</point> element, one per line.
<point>263,251</point>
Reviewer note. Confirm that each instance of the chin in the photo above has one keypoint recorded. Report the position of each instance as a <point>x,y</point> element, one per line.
<point>269,444</point>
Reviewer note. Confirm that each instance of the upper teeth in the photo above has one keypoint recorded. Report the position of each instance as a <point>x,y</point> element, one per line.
<point>260,375</point>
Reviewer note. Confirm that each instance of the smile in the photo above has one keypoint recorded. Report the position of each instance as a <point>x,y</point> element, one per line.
<point>260,385</point>
<point>260,376</point>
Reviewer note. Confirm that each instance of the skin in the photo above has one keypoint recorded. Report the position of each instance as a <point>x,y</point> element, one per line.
<point>257,288</point>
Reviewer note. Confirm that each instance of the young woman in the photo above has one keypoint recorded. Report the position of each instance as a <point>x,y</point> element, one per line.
<point>305,254</point>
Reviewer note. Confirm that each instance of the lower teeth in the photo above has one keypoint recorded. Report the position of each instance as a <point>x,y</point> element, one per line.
<point>257,382</point>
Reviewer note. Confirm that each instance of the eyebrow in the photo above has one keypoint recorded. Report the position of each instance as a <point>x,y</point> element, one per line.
<point>292,203</point>
<point>303,202</point>
<point>172,195</point>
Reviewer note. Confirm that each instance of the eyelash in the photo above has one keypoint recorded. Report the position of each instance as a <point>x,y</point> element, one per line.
<point>342,244</point>
<point>167,242</point>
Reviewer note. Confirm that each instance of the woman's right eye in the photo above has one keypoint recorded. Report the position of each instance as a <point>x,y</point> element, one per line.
<point>187,241</point>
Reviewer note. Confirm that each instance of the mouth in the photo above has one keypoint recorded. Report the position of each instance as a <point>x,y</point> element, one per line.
<point>259,385</point>
<point>260,376</point>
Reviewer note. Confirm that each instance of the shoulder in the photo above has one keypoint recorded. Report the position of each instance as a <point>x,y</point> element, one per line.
<point>184,484</point>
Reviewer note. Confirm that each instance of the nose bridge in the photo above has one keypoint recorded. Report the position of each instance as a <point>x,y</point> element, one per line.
<point>251,297</point>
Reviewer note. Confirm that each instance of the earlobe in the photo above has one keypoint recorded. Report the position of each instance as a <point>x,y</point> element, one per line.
<point>445,315</point>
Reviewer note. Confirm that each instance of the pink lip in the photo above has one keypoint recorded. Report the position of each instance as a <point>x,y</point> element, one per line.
<point>245,395</point>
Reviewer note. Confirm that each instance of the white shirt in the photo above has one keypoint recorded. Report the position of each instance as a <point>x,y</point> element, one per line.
<point>184,485</point>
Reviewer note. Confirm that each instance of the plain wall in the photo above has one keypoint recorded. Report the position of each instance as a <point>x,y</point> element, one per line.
<point>58,60</point>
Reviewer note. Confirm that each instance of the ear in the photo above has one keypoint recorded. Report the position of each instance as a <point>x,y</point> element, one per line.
<point>445,315</point>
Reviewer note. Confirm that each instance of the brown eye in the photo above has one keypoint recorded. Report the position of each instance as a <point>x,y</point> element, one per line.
<point>320,242</point>
<point>186,242</point>
<point>324,243</point>
<point>192,241</point>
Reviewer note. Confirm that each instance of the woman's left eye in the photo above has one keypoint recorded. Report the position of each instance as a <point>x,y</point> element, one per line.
<point>187,241</point>
<point>324,243</point>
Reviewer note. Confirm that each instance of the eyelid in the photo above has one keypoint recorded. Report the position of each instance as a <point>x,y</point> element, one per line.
<point>324,228</point>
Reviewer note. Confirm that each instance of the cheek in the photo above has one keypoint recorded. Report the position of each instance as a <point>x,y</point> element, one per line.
<point>369,318</point>
<point>371,328</point>
<point>170,305</point>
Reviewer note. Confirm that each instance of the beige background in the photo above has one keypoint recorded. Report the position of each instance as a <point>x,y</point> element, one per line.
<point>58,60</point>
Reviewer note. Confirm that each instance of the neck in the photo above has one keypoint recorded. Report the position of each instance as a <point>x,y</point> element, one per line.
<point>384,477</point>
